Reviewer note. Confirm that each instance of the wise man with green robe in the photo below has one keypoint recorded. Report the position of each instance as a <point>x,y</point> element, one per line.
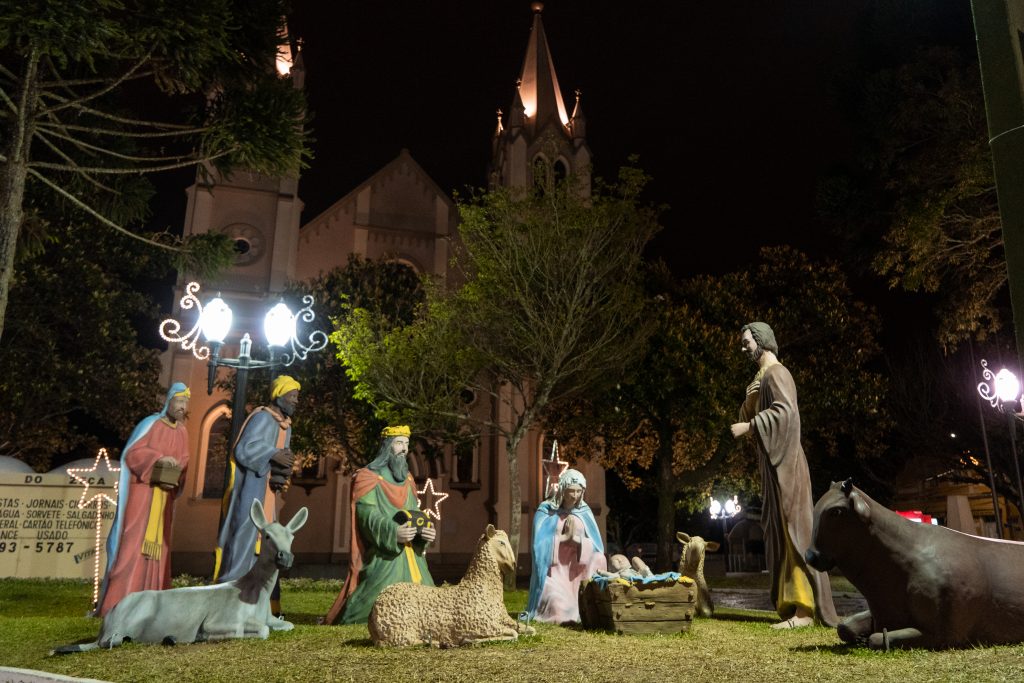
<point>385,546</point>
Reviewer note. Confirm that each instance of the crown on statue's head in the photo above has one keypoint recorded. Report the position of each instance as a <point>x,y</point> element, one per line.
<point>399,430</point>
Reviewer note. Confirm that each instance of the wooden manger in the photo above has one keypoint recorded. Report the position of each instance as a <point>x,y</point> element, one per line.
<point>634,607</point>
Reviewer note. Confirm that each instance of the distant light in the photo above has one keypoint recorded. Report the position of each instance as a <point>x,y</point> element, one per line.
<point>284,60</point>
<point>952,435</point>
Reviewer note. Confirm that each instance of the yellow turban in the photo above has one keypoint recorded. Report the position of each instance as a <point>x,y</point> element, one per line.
<point>282,385</point>
<point>400,430</point>
<point>184,392</point>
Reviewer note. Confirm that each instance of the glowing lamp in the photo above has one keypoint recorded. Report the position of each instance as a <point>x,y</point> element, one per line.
<point>279,325</point>
<point>1007,386</point>
<point>732,506</point>
<point>215,320</point>
<point>716,508</point>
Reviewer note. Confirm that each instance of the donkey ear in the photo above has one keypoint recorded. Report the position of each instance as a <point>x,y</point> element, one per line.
<point>711,546</point>
<point>490,531</point>
<point>682,537</point>
<point>256,514</point>
<point>296,522</point>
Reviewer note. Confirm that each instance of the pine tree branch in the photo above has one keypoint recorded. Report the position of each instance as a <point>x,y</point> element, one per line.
<point>78,82</point>
<point>59,152</point>
<point>8,101</point>
<point>117,155</point>
<point>95,130</point>
<point>98,216</point>
<point>110,87</point>
<point>128,170</point>
<point>141,123</point>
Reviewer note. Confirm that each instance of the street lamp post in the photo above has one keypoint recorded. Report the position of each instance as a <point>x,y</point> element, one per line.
<point>214,321</point>
<point>725,511</point>
<point>1003,391</point>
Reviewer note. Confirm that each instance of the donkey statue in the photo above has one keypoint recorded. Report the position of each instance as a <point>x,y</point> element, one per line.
<point>236,609</point>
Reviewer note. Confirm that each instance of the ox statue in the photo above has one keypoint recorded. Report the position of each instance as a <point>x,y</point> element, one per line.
<point>926,586</point>
<point>236,609</point>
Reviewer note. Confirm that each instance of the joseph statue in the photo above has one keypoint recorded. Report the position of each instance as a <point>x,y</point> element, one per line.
<point>769,412</point>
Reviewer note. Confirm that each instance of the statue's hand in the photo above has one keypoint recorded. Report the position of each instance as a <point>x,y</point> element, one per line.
<point>740,429</point>
<point>284,457</point>
<point>569,528</point>
<point>428,533</point>
<point>406,532</point>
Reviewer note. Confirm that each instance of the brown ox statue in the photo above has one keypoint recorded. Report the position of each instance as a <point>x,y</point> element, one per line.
<point>926,586</point>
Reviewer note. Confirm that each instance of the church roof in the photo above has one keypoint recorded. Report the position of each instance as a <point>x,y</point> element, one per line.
<point>538,85</point>
<point>403,158</point>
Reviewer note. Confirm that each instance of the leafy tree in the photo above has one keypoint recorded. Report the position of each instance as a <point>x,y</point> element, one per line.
<point>331,422</point>
<point>72,131</point>
<point>666,425</point>
<point>73,373</point>
<point>945,234</point>
<point>550,308</point>
<point>918,200</point>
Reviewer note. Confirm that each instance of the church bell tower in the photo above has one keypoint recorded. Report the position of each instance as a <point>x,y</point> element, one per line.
<point>539,141</point>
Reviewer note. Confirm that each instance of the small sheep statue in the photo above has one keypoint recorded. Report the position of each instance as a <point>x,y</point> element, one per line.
<point>472,611</point>
<point>691,564</point>
<point>236,609</point>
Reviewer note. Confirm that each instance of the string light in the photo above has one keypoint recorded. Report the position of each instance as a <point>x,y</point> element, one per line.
<point>435,500</point>
<point>100,499</point>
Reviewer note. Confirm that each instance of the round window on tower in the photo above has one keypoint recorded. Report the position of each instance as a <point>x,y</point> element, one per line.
<point>249,242</point>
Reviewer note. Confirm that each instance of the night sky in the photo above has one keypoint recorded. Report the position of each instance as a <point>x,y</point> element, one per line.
<point>727,104</point>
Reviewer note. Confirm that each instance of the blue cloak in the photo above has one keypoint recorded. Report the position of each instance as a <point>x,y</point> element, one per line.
<point>545,525</point>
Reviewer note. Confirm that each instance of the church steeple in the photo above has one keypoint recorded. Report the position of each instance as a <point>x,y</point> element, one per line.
<point>540,142</point>
<point>538,84</point>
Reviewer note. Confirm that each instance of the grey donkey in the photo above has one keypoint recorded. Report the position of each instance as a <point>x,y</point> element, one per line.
<point>236,609</point>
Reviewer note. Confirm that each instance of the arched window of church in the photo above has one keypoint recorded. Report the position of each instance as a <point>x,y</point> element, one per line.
<point>561,170</point>
<point>214,450</point>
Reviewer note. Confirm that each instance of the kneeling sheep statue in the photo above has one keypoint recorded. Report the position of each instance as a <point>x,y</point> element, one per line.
<point>472,611</point>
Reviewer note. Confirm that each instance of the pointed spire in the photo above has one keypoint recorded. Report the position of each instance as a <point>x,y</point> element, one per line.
<point>518,116</point>
<point>539,91</point>
<point>578,122</point>
<point>499,128</point>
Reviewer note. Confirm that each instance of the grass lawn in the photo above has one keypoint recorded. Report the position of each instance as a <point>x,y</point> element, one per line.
<point>736,645</point>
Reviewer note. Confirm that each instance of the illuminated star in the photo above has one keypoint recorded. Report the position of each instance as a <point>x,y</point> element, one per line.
<point>553,469</point>
<point>432,508</point>
<point>99,470</point>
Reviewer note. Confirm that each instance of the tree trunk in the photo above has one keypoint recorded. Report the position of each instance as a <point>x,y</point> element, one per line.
<point>666,502</point>
<point>515,502</point>
<point>12,181</point>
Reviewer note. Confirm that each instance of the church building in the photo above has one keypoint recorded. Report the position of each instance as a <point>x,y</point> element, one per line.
<point>398,213</point>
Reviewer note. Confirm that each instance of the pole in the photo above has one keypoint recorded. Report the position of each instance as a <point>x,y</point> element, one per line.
<point>988,454</point>
<point>991,474</point>
<point>1016,463</point>
<point>997,25</point>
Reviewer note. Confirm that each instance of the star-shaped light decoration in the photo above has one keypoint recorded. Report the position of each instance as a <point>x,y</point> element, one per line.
<point>100,469</point>
<point>553,468</point>
<point>432,506</point>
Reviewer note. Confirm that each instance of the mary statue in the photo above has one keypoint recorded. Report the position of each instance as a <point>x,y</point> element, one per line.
<point>567,548</point>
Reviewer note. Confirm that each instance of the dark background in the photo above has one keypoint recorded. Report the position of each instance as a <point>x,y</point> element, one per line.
<point>728,105</point>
